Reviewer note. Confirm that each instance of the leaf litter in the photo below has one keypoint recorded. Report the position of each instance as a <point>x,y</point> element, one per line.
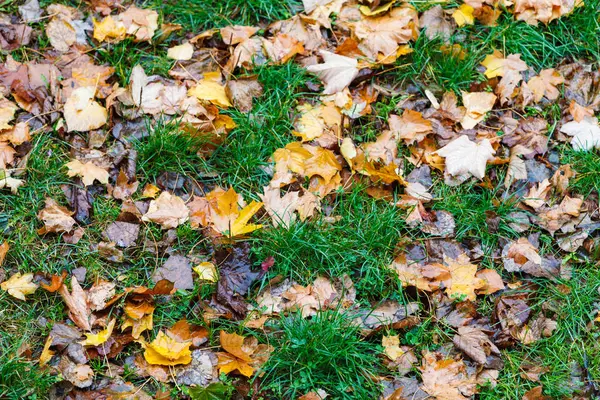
<point>483,136</point>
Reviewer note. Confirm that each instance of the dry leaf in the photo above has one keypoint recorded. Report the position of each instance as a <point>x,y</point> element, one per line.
<point>463,282</point>
<point>496,65</point>
<point>182,52</point>
<point>77,303</point>
<point>88,172</point>
<point>82,113</point>
<point>210,90</point>
<point>61,33</point>
<point>165,350</point>
<point>19,285</point>
<point>206,271</point>
<point>544,85</point>
<point>168,210</point>
<point>586,133</point>
<point>56,218</point>
<point>445,378</point>
<point>464,15</point>
<point>477,105</point>
<point>475,343</point>
<point>336,72</point>
<point>411,127</point>
<point>466,157</point>
<point>96,339</point>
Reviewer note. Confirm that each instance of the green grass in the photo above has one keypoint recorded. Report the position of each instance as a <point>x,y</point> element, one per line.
<point>437,66</point>
<point>243,157</point>
<point>473,208</point>
<point>360,244</point>
<point>324,352</point>
<point>168,148</point>
<point>199,15</point>
<point>125,55</point>
<point>585,163</point>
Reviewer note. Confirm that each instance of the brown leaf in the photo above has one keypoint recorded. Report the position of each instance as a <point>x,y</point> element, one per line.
<point>56,218</point>
<point>475,343</point>
<point>168,210</point>
<point>77,302</point>
<point>535,394</point>
<point>445,378</point>
<point>178,270</point>
<point>242,92</point>
<point>3,251</point>
<point>124,234</point>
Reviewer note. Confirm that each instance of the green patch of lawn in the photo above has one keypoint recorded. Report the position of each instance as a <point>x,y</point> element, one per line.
<point>479,213</point>
<point>585,163</point>
<point>324,352</point>
<point>198,15</point>
<point>125,55</point>
<point>361,244</point>
<point>244,156</point>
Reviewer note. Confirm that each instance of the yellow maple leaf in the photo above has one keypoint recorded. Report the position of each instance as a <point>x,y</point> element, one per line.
<point>464,15</point>
<point>236,357</point>
<point>138,325</point>
<point>391,346</point>
<point>165,350</point>
<point>109,28</point>
<point>88,172</point>
<point>209,89</point>
<point>226,216</point>
<point>96,339</point>
<point>19,285</point>
<point>496,65</point>
<point>463,279</point>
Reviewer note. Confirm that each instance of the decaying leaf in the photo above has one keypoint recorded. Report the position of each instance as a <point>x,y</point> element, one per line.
<point>464,157</point>
<point>336,72</point>
<point>19,285</point>
<point>167,210</point>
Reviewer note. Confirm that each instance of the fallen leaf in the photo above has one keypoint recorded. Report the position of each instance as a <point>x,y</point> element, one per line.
<point>226,216</point>
<point>391,346</point>
<point>176,269</point>
<point>242,92</point>
<point>496,65</point>
<point>206,271</point>
<point>46,352</point>
<point>475,343</point>
<point>210,90</point>
<point>56,218</point>
<point>544,85</point>
<point>477,105</point>
<point>436,24</point>
<point>165,350</point>
<point>182,52</point>
<point>445,378</point>
<point>464,15</point>
<point>82,113</point>
<point>167,210</point>
<point>88,172</point>
<point>336,72</point>
<point>4,247</point>
<point>77,303</point>
<point>96,339</point>
<point>411,127</point>
<point>466,157</point>
<point>586,133</point>
<point>463,282</point>
<point>19,285</point>
<point>61,33</point>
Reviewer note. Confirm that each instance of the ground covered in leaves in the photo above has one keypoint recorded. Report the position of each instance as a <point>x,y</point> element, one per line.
<point>267,199</point>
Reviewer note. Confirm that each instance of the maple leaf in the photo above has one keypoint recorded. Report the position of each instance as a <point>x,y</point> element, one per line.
<point>544,85</point>
<point>7,112</point>
<point>586,133</point>
<point>475,343</point>
<point>61,33</point>
<point>182,52</point>
<point>56,218</point>
<point>391,346</point>
<point>239,351</point>
<point>89,172</point>
<point>336,72</point>
<point>445,378</point>
<point>381,36</point>
<point>322,163</point>
<point>435,23</point>
<point>477,104</point>
<point>19,285</point>
<point>236,34</point>
<point>226,216</point>
<point>165,350</point>
<point>466,157</point>
<point>82,113</point>
<point>314,121</point>
<point>6,180</point>
<point>167,210</point>
<point>463,15</point>
<point>411,127</point>
<point>463,280</point>
<point>96,339</point>
<point>210,90</point>
<point>496,65</point>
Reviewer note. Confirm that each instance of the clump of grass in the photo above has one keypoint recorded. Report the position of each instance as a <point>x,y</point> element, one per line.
<point>168,148</point>
<point>448,65</point>
<point>476,210</point>
<point>585,163</point>
<point>245,154</point>
<point>359,244</point>
<point>125,55</point>
<point>198,15</point>
<point>324,352</point>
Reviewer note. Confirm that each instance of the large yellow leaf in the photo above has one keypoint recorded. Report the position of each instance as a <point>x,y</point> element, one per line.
<point>19,285</point>
<point>164,350</point>
<point>226,216</point>
<point>463,280</point>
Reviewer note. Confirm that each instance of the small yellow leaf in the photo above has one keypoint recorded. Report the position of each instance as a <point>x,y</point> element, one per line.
<point>19,285</point>
<point>209,89</point>
<point>464,15</point>
<point>109,28</point>
<point>206,271</point>
<point>46,352</point>
<point>391,346</point>
<point>96,339</point>
<point>182,52</point>
<point>138,326</point>
<point>366,10</point>
<point>240,226</point>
